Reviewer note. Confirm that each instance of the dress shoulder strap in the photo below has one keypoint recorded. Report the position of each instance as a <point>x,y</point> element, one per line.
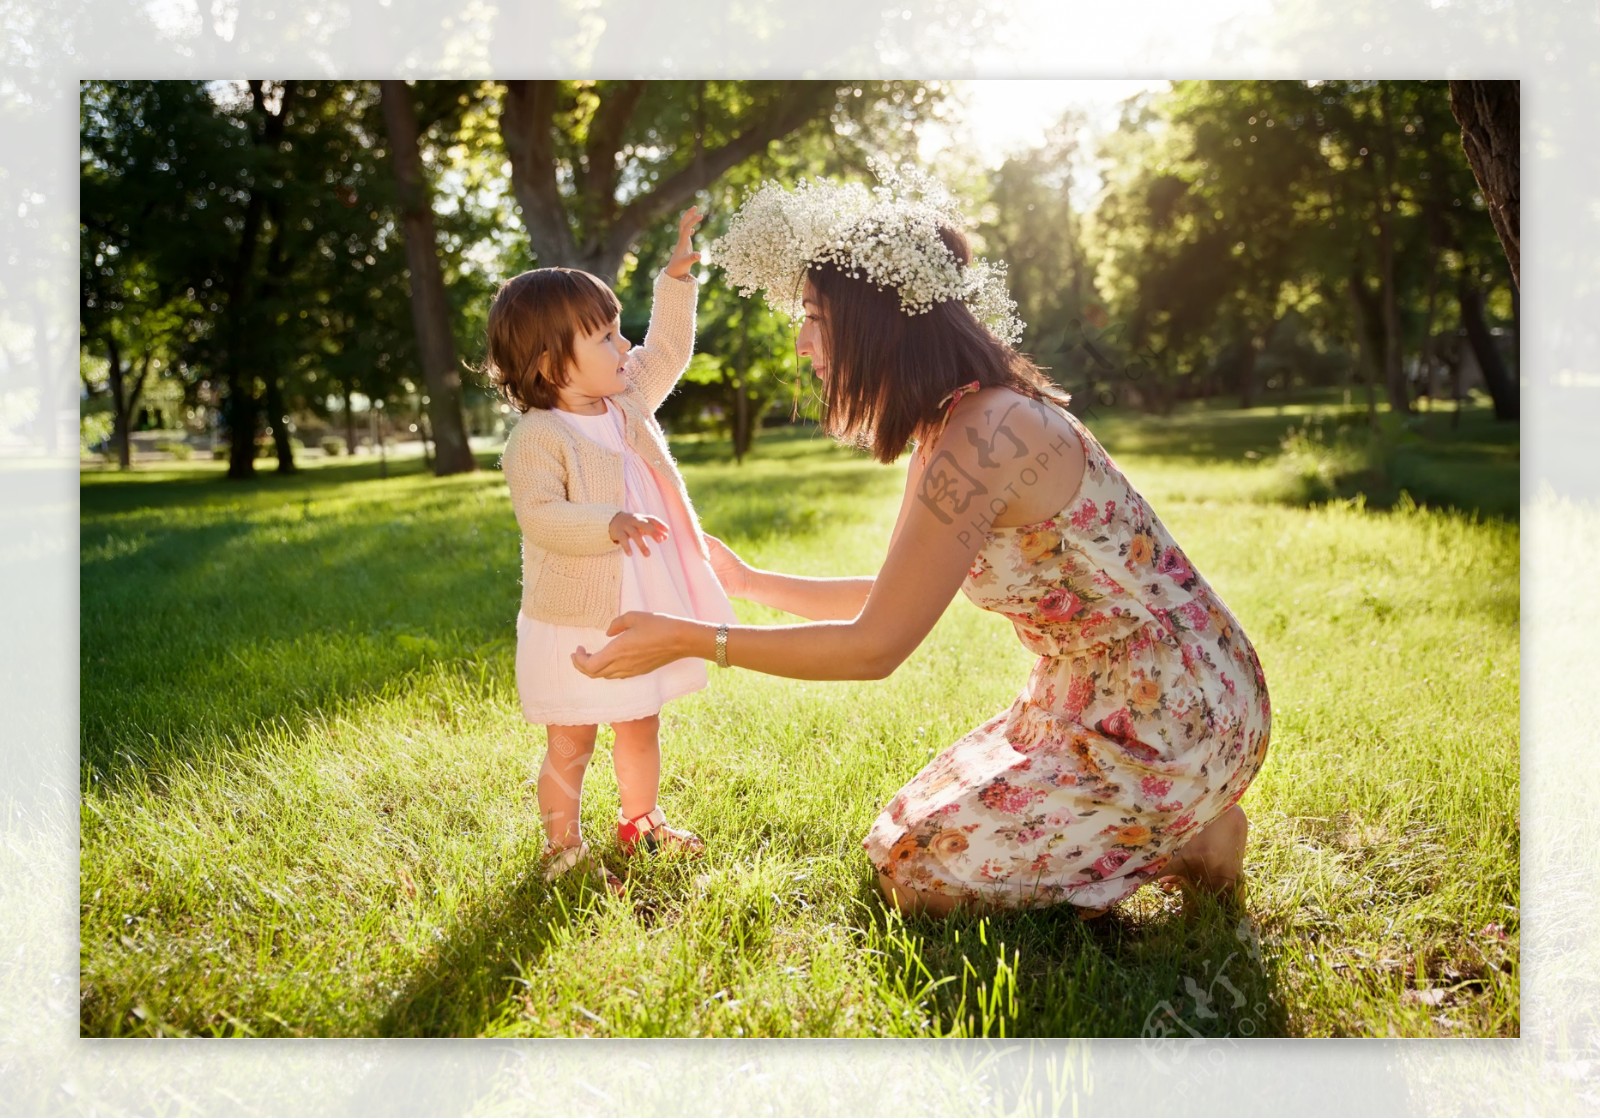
<point>947,404</point>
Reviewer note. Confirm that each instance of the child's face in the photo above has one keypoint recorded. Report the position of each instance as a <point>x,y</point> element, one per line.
<point>596,369</point>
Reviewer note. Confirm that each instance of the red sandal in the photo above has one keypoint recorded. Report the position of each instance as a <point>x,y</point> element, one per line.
<point>651,829</point>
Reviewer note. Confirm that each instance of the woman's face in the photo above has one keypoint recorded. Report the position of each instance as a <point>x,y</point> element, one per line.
<point>810,342</point>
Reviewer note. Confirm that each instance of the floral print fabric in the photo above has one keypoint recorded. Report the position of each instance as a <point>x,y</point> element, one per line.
<point>1145,717</point>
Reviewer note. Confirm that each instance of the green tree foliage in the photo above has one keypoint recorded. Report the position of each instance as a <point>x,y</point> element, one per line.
<point>1033,227</point>
<point>269,215</point>
<point>264,213</point>
<point>1242,218</point>
<point>595,165</point>
<point>149,159</point>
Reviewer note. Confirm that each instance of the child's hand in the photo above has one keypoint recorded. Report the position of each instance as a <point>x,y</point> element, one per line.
<point>682,255</point>
<point>731,571</point>
<point>628,529</point>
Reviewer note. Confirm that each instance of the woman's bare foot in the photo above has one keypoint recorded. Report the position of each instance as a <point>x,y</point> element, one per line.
<point>911,901</point>
<point>1213,861</point>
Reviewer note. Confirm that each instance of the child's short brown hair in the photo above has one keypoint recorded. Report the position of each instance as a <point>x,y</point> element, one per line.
<point>537,315</point>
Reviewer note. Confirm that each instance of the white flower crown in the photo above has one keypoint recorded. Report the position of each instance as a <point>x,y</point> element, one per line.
<point>889,235</point>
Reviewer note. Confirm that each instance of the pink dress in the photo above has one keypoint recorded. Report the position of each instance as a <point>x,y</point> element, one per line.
<point>672,579</point>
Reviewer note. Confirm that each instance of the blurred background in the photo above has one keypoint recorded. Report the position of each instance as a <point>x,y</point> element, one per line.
<point>278,271</point>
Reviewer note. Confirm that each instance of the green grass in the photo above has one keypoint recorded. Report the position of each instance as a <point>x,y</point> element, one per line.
<point>307,810</point>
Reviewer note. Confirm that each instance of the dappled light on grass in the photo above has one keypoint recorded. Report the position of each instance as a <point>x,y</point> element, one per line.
<point>307,808</point>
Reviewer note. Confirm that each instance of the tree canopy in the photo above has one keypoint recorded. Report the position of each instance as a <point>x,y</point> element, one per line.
<point>313,260</point>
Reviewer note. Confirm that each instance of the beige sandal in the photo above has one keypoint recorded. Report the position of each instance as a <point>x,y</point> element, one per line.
<point>562,861</point>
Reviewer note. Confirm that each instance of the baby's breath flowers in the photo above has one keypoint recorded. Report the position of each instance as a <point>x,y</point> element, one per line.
<point>887,235</point>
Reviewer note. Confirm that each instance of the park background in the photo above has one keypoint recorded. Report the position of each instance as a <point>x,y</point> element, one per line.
<point>1282,306</point>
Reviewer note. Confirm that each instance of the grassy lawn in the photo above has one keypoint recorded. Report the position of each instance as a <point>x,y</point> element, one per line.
<point>307,800</point>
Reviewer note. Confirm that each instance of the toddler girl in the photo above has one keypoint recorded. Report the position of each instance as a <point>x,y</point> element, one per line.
<point>607,527</point>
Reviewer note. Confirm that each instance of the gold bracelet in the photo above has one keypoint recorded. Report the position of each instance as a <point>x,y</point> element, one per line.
<point>722,645</point>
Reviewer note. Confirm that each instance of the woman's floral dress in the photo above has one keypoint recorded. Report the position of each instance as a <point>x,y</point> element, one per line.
<point>1144,719</point>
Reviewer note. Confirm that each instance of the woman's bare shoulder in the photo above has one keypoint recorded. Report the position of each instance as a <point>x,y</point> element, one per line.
<point>1018,446</point>
<point>1002,422</point>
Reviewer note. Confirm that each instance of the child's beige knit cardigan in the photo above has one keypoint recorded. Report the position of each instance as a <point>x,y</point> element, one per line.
<point>565,488</point>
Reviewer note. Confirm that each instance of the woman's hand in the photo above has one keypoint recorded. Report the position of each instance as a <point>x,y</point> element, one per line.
<point>731,571</point>
<point>641,642</point>
<point>682,255</point>
<point>628,529</point>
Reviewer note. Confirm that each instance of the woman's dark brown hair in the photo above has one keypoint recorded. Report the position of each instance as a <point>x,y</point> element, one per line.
<point>536,314</point>
<point>890,370</point>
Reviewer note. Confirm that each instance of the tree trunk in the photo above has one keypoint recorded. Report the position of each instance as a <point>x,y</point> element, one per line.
<point>1456,390</point>
<point>349,422</point>
<point>277,414</point>
<point>276,407</point>
<point>740,401</point>
<point>1425,351</point>
<point>242,407</point>
<point>1516,326</point>
<point>1367,331</point>
<point>121,407</point>
<point>1394,380</point>
<point>1490,115</point>
<point>526,121</point>
<point>430,310</point>
<point>1503,388</point>
<point>1247,370</point>
<point>741,421</point>
<point>124,398</point>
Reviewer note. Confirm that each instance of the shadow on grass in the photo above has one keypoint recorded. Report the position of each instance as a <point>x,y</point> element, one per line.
<point>461,988</point>
<point>216,627</point>
<point>1472,469</point>
<point>1144,970</point>
<point>210,610</point>
<point>109,492</point>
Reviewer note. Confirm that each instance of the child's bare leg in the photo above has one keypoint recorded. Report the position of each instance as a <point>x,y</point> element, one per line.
<point>561,782</point>
<point>637,757</point>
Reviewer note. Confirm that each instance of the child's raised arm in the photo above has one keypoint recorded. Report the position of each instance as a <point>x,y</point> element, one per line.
<point>655,365</point>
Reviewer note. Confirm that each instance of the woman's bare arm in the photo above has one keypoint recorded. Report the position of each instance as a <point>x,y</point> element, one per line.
<point>918,579</point>
<point>821,600</point>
